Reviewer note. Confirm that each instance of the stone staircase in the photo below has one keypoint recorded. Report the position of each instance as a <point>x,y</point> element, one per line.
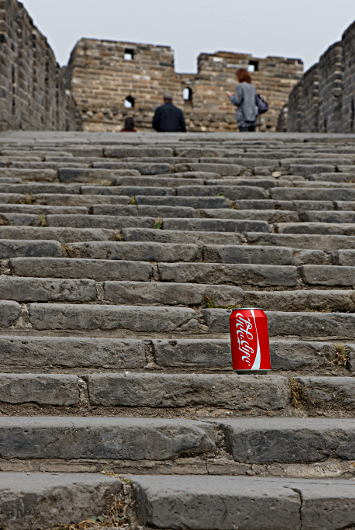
<point>121,257</point>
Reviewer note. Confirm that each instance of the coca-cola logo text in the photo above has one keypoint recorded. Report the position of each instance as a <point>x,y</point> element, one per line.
<point>244,336</point>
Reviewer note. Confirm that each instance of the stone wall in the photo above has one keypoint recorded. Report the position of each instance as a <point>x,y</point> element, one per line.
<point>32,89</point>
<point>102,74</point>
<point>325,99</point>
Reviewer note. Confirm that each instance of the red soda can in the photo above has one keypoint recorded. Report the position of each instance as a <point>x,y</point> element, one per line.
<point>250,341</point>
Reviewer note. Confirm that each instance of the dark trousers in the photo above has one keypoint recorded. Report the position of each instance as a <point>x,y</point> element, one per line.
<point>247,127</point>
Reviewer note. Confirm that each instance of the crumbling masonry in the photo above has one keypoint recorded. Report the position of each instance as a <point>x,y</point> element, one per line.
<point>324,99</point>
<point>32,89</point>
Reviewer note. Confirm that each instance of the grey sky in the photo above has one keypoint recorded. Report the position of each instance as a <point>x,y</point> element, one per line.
<point>292,28</point>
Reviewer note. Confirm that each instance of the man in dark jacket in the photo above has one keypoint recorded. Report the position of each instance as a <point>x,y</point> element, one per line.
<point>168,118</point>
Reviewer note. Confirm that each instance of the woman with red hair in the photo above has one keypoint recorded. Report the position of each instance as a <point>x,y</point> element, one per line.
<point>244,98</point>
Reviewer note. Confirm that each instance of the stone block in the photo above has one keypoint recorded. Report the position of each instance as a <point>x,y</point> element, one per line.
<point>64,235</point>
<point>46,389</point>
<point>328,275</point>
<point>175,236</point>
<point>11,249</point>
<point>246,254</point>
<point>142,211</point>
<point>100,221</point>
<point>216,225</point>
<point>302,241</point>
<point>191,202</point>
<point>106,317</point>
<point>181,390</point>
<point>47,290</point>
<point>230,192</point>
<point>9,313</point>
<point>127,190</point>
<point>202,353</point>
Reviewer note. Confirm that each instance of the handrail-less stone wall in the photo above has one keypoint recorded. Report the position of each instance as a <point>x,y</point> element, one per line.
<point>102,74</point>
<point>324,99</point>
<point>32,89</point>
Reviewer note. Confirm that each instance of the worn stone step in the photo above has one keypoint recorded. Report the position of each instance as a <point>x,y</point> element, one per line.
<point>30,248</point>
<point>270,216</point>
<point>125,151</point>
<point>330,276</point>
<point>207,503</point>
<point>104,438</point>
<point>37,187</point>
<point>127,190</point>
<point>46,290</point>
<point>344,257</point>
<point>181,236</point>
<point>231,192</point>
<point>39,175</point>
<point>301,300</point>
<point>323,242</point>
<point>326,228</point>
<point>243,394</point>
<point>137,251</point>
<point>64,235</point>
<point>288,440</point>
<point>147,168</point>
<point>305,325</point>
<point>215,225</point>
<point>327,217</point>
<point>99,270</point>
<point>242,181</point>
<point>39,500</point>
<point>108,317</point>
<point>333,177</point>
<point>42,389</point>
<point>57,199</point>
<point>316,194</point>
<point>40,210</point>
<point>164,293</point>
<point>292,205</point>
<point>232,274</point>
<point>110,222</point>
<point>19,219</point>
<point>192,202</point>
<point>142,211</point>
<point>161,180</point>
<point>69,174</point>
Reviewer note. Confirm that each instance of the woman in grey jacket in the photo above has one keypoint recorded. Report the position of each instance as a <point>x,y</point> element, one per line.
<point>244,98</point>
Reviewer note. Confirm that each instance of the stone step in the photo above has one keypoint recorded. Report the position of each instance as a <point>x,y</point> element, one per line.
<point>304,325</point>
<point>207,503</point>
<point>341,228</point>
<point>41,210</point>
<point>64,235</point>
<point>192,202</point>
<point>147,168</point>
<point>327,217</point>
<point>61,199</point>
<point>290,205</point>
<point>30,248</point>
<point>231,192</point>
<point>23,353</point>
<point>47,290</point>
<point>300,300</point>
<point>324,242</point>
<point>39,500</point>
<point>160,180</point>
<point>37,187</point>
<point>156,191</point>
<point>38,175</point>
<point>215,225</point>
<point>270,216</point>
<point>109,222</point>
<point>181,236</point>
<point>316,194</point>
<point>99,270</point>
<point>141,211</point>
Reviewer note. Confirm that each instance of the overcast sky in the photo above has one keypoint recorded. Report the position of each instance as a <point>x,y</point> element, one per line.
<point>290,28</point>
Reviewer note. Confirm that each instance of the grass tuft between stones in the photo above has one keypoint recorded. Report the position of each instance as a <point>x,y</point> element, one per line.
<point>299,397</point>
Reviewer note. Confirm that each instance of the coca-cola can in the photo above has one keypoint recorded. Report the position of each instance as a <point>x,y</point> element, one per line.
<point>250,341</point>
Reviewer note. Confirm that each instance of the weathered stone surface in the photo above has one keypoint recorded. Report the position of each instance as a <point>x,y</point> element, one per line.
<point>328,217</point>
<point>89,175</point>
<point>36,500</point>
<point>221,169</point>
<point>71,352</point>
<point>231,192</point>
<point>345,257</point>
<point>106,317</point>
<point>316,194</point>
<point>100,221</point>
<point>78,200</point>
<point>39,175</point>
<point>9,312</point>
<point>10,249</point>
<point>331,276</point>
<point>304,241</point>
<point>59,390</point>
<point>336,393</point>
<point>41,210</point>
<point>288,440</point>
<point>161,180</point>
<point>113,438</point>
<point>302,300</point>
<point>142,211</point>
<point>99,270</point>
<point>345,229</point>
<point>64,235</point>
<point>125,151</point>
<point>45,290</point>
<point>192,202</point>
<point>247,254</point>
<point>216,225</point>
<point>180,236</point>
<point>270,216</point>
<point>296,205</point>
<point>180,390</point>
<point>137,251</point>
<point>261,275</point>
<point>301,355</point>
<point>219,503</point>
<point>126,190</point>
<point>156,293</point>
<point>182,353</point>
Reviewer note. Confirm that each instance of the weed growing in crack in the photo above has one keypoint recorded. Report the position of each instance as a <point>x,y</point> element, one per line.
<point>43,220</point>
<point>299,397</point>
<point>342,354</point>
<point>158,223</point>
<point>220,195</point>
<point>132,200</point>
<point>211,304</point>
<point>117,234</point>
